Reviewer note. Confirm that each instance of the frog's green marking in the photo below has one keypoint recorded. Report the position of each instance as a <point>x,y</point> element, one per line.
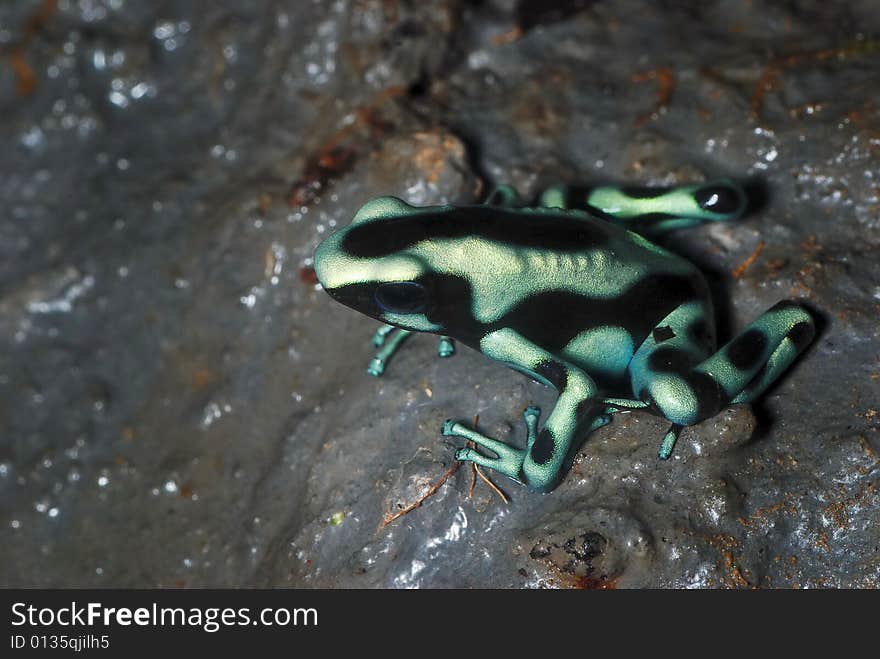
<point>606,349</point>
<point>654,210</point>
<point>568,294</point>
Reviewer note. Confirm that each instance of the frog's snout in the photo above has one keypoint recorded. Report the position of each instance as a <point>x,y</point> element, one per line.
<point>325,262</point>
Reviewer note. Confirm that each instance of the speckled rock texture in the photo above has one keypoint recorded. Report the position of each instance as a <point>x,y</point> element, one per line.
<point>181,406</point>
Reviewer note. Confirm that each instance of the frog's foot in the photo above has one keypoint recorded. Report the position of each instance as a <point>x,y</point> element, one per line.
<point>388,339</point>
<point>669,440</point>
<point>509,459</point>
<point>616,405</point>
<point>446,348</point>
<point>532,413</point>
<point>382,334</point>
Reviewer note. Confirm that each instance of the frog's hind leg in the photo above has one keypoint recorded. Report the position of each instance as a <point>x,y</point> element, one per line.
<point>663,370</point>
<point>663,373</point>
<point>790,321</point>
<point>653,211</point>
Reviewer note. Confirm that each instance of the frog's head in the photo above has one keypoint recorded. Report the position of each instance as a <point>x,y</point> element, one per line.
<point>373,268</point>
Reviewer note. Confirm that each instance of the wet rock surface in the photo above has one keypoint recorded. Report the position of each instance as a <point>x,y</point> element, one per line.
<point>181,406</point>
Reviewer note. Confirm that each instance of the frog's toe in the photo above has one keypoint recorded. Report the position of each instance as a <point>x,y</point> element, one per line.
<point>668,442</point>
<point>599,421</point>
<point>446,347</point>
<point>508,463</point>
<point>509,458</point>
<point>381,334</point>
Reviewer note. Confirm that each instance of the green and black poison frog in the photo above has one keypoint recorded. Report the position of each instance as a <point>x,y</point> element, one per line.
<point>570,292</point>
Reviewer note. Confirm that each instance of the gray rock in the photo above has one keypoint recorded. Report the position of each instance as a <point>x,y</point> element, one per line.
<point>180,405</point>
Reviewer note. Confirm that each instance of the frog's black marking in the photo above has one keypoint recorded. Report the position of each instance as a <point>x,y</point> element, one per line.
<point>542,449</point>
<point>662,334</point>
<point>402,297</point>
<point>649,298</point>
<point>746,349</point>
<point>718,199</point>
<point>547,230</point>
<point>671,360</point>
<point>643,192</point>
<point>801,335</point>
<point>709,395</point>
<point>553,372</point>
<point>700,333</point>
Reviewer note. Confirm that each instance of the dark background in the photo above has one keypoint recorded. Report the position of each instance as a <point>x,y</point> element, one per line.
<point>179,405</point>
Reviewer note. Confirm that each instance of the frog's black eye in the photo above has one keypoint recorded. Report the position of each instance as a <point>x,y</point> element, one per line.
<point>719,199</point>
<point>402,297</point>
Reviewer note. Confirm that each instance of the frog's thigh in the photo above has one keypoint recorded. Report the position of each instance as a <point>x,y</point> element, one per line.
<point>737,373</point>
<point>605,350</point>
<point>549,450</point>
<point>662,372</point>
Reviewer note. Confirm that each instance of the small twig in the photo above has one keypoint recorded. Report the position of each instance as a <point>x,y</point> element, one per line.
<point>740,270</point>
<point>510,36</point>
<point>473,474</point>
<point>470,444</point>
<point>476,471</point>
<point>431,492</point>
<point>489,482</point>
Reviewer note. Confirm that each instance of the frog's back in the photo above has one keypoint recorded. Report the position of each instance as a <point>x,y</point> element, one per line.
<point>559,273</point>
<point>550,274</point>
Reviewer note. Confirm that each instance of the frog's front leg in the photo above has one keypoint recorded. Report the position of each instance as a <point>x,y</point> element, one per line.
<point>542,463</point>
<point>653,211</point>
<point>389,338</point>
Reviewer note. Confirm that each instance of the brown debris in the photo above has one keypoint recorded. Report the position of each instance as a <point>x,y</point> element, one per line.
<point>307,275</point>
<point>665,86</point>
<point>740,270</point>
<point>770,79</point>
<point>389,517</point>
<point>761,514</point>
<point>25,77</point>
<point>513,34</point>
<point>476,471</point>
<point>338,154</point>
<point>725,544</point>
<point>497,490</point>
